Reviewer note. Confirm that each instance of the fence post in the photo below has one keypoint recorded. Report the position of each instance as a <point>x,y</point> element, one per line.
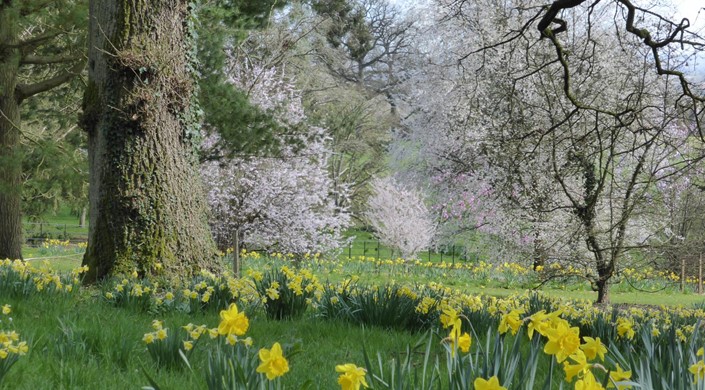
<point>236,258</point>
<point>429,254</point>
<point>350,251</point>
<point>66,236</point>
<point>377,250</point>
<point>452,253</point>
<point>364,248</point>
<point>683,274</point>
<point>700,274</point>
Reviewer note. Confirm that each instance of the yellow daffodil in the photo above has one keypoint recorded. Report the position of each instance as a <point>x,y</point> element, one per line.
<point>617,376</point>
<point>489,384</point>
<point>698,370</point>
<point>233,322</point>
<point>351,376</point>
<point>148,338</point>
<point>593,347</point>
<point>156,324</point>
<point>588,383</point>
<point>464,342</point>
<point>578,369</point>
<point>449,317</point>
<point>273,362</point>
<point>188,345</point>
<point>625,328</point>
<point>6,309</point>
<point>562,341</point>
<point>511,321</point>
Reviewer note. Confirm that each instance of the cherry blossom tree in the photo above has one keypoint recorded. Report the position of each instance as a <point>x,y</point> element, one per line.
<point>569,148</point>
<point>400,217</point>
<point>281,203</point>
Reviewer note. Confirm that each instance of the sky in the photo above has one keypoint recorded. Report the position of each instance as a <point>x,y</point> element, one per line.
<point>693,10</point>
<point>689,9</point>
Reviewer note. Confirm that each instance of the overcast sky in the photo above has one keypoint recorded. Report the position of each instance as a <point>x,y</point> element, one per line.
<point>691,9</point>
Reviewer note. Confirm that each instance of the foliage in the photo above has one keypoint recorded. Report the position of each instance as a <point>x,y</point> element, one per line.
<point>244,127</point>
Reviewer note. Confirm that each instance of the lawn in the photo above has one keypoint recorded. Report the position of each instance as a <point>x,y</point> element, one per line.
<point>88,337</point>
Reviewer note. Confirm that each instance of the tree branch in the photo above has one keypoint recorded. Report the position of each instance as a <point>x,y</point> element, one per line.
<point>30,59</point>
<point>23,91</point>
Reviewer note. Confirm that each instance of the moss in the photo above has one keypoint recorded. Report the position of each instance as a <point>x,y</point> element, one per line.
<point>91,106</point>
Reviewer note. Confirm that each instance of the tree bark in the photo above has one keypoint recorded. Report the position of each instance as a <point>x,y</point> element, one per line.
<point>603,289</point>
<point>146,199</point>
<point>10,161</point>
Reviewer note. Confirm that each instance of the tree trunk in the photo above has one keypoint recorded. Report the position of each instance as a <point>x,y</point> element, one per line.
<point>603,287</point>
<point>10,159</point>
<point>82,219</point>
<point>146,199</point>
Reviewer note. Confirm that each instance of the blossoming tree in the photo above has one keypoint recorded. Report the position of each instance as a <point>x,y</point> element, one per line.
<point>400,217</point>
<point>281,202</point>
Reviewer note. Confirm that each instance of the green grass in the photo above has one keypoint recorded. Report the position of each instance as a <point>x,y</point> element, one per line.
<point>78,341</point>
<point>366,244</point>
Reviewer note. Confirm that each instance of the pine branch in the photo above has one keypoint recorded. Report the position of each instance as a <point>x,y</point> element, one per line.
<point>45,60</point>
<point>23,91</point>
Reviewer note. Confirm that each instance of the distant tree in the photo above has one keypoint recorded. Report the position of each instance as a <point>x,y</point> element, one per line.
<point>399,217</point>
<point>41,48</point>
<point>572,147</point>
<point>373,35</point>
<point>147,204</point>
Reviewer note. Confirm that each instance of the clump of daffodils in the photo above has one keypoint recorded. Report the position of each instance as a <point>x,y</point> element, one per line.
<point>11,347</point>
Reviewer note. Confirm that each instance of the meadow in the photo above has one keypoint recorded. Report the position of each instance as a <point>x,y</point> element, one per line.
<point>391,323</point>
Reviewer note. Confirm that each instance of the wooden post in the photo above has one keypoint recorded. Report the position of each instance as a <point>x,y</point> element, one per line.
<point>683,274</point>
<point>236,258</point>
<point>700,274</point>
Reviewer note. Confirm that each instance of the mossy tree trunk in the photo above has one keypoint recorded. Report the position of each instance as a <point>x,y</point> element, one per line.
<point>27,56</point>
<point>146,201</point>
<point>10,163</point>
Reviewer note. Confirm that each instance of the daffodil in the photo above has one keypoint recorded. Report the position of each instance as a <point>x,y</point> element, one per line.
<point>698,370</point>
<point>593,347</point>
<point>148,338</point>
<point>351,376</point>
<point>449,317</point>
<point>588,383</point>
<point>578,369</point>
<point>511,321</point>
<point>619,375</point>
<point>562,341</point>
<point>233,322</point>
<point>625,328</point>
<point>162,334</point>
<point>274,364</point>
<point>6,309</point>
<point>489,384</point>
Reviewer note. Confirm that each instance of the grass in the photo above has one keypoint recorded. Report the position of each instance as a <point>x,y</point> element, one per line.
<point>78,341</point>
<point>366,244</point>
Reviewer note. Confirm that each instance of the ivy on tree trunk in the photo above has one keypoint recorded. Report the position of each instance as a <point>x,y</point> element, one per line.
<point>147,210</point>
